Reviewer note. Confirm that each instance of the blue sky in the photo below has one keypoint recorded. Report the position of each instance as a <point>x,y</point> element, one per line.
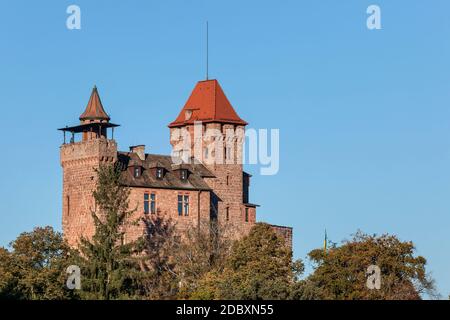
<point>364,116</point>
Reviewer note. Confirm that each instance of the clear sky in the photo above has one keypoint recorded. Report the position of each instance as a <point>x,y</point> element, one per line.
<point>364,115</point>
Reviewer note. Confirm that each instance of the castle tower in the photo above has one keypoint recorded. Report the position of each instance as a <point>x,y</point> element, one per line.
<point>209,130</point>
<point>79,159</point>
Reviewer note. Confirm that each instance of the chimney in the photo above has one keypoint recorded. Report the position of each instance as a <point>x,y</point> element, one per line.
<point>139,150</point>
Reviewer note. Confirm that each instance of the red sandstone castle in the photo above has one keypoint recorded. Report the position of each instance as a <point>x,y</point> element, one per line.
<point>198,187</point>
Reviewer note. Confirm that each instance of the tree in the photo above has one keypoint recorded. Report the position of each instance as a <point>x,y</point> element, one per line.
<point>110,268</point>
<point>159,281</point>
<point>259,266</point>
<point>305,290</point>
<point>8,279</point>
<point>341,271</point>
<point>36,267</point>
<point>197,252</point>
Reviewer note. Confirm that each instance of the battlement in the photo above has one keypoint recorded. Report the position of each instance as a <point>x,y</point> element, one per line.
<point>97,149</point>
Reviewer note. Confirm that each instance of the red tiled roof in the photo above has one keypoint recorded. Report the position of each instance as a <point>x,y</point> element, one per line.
<point>94,109</point>
<point>207,103</point>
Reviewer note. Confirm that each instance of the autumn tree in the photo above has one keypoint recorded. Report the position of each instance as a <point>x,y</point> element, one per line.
<point>341,271</point>
<point>198,251</point>
<point>35,268</point>
<point>259,266</point>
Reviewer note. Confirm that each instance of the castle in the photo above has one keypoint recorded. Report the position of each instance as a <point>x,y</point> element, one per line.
<point>202,181</point>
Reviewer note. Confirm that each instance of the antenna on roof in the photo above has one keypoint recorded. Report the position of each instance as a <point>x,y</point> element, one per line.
<point>207,50</point>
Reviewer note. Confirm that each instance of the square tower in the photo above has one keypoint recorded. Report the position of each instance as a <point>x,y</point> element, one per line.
<point>209,130</point>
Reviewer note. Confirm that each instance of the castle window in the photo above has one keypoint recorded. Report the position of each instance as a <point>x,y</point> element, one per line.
<point>186,205</point>
<point>227,216</point>
<point>206,153</point>
<point>146,203</point>
<point>180,205</point>
<point>183,205</point>
<point>152,203</point>
<point>246,214</point>
<point>149,203</point>
<point>159,173</point>
<point>137,172</point>
<point>183,174</point>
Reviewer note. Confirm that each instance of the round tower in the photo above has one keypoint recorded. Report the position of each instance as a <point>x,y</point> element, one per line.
<point>79,160</point>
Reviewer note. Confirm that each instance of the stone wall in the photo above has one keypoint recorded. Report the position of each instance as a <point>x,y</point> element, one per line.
<point>228,184</point>
<point>79,161</point>
<point>167,207</point>
<point>285,233</point>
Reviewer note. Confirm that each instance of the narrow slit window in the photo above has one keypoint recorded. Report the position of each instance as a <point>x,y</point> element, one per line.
<point>159,173</point>
<point>186,205</point>
<point>146,203</point>
<point>246,214</point>
<point>152,203</point>
<point>180,205</point>
<point>183,174</point>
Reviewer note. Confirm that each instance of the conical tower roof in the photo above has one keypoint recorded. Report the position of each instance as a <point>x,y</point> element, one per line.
<point>94,109</point>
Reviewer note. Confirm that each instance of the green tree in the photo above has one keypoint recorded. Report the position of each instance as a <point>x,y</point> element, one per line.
<point>305,290</point>
<point>197,252</point>
<point>259,266</point>
<point>341,271</point>
<point>110,268</point>
<point>36,267</point>
<point>159,280</point>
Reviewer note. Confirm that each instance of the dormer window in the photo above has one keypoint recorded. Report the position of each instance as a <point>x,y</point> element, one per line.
<point>137,172</point>
<point>183,174</point>
<point>159,173</point>
<point>187,114</point>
